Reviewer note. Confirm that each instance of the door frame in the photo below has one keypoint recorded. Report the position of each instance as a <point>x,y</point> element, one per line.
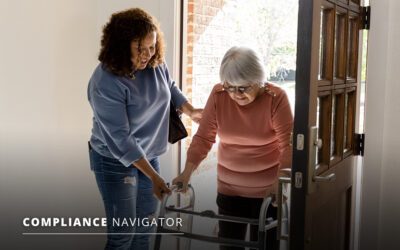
<point>305,40</point>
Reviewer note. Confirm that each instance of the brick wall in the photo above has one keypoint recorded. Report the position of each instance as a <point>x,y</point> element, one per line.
<point>204,49</point>
<point>200,50</point>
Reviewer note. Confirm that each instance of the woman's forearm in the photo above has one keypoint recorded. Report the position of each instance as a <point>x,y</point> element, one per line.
<point>193,113</point>
<point>187,108</point>
<point>144,166</point>
<point>189,168</point>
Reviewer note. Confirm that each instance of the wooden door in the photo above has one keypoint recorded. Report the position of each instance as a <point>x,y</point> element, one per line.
<point>325,116</point>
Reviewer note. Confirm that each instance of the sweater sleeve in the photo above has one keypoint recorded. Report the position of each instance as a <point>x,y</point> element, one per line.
<point>176,94</point>
<point>282,123</point>
<point>205,135</point>
<point>109,105</point>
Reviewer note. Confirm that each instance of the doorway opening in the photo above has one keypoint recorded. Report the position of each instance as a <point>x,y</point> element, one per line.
<point>210,28</point>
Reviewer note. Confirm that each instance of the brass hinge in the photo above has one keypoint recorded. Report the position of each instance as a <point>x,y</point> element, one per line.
<point>365,17</point>
<point>359,142</point>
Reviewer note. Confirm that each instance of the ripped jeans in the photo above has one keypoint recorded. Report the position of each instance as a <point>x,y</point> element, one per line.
<point>127,194</point>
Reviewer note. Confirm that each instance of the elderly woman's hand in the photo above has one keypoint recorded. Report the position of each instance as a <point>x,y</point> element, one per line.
<point>183,179</point>
<point>274,189</point>
<point>273,193</point>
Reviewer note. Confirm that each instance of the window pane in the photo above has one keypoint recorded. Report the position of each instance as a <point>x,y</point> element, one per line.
<point>352,49</point>
<point>340,46</point>
<point>346,101</point>
<point>326,49</point>
<point>333,126</point>
<point>323,123</point>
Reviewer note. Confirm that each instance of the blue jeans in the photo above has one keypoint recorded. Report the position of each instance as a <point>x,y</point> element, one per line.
<point>127,194</point>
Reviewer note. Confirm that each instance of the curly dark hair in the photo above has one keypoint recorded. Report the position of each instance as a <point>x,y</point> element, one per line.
<point>123,28</point>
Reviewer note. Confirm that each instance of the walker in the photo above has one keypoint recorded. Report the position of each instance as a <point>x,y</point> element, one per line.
<point>264,223</point>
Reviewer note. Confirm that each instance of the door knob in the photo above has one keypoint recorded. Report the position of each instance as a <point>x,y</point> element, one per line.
<point>318,143</point>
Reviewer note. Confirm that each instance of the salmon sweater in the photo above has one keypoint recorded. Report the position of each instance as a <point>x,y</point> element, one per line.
<point>254,140</point>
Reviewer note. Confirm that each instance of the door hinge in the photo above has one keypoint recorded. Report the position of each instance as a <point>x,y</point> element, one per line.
<point>365,17</point>
<point>359,140</point>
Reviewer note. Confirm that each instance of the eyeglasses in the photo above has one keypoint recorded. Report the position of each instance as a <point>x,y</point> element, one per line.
<point>240,89</point>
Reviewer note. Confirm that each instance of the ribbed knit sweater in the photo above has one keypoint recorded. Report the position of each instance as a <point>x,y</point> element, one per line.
<point>254,140</point>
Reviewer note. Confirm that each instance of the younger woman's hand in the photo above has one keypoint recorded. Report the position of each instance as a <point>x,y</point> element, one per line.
<point>160,188</point>
<point>189,110</point>
<point>196,115</point>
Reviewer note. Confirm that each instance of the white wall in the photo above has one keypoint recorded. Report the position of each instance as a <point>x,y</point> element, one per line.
<point>380,217</point>
<point>48,50</point>
<point>390,200</point>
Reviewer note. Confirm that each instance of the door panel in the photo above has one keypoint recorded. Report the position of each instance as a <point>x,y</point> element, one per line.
<point>325,116</point>
<point>329,210</point>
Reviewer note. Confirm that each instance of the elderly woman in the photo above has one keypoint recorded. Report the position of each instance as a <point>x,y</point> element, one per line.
<point>130,92</point>
<point>254,122</point>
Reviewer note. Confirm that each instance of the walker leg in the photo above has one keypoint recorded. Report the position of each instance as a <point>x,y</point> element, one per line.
<point>157,242</point>
<point>262,236</point>
<point>190,222</point>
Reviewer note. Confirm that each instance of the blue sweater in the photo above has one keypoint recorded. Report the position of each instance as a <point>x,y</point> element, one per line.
<point>131,116</point>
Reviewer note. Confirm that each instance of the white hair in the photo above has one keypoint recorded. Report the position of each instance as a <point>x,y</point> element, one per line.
<point>241,66</point>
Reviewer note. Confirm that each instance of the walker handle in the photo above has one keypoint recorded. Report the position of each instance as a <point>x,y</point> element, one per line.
<point>279,235</point>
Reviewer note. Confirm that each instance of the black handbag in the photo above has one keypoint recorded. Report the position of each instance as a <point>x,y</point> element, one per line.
<point>177,130</point>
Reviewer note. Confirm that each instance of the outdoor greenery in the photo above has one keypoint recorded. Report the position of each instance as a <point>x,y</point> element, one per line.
<point>270,27</point>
